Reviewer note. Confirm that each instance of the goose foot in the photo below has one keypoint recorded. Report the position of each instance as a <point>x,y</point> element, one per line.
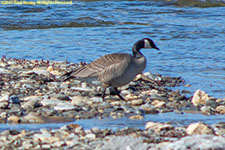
<point>115,92</point>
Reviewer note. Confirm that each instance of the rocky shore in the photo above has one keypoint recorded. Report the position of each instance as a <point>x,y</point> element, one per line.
<point>34,91</point>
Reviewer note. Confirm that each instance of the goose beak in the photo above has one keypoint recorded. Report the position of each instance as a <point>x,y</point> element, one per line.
<point>156,48</point>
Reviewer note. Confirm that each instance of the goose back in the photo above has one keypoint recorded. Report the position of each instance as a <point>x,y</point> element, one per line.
<point>114,69</point>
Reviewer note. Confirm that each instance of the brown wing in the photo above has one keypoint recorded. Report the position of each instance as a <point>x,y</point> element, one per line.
<point>108,64</point>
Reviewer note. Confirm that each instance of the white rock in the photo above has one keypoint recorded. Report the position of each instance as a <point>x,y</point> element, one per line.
<point>199,128</point>
<point>64,106</point>
<point>200,97</point>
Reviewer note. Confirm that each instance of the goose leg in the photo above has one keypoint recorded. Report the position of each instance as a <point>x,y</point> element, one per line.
<point>103,94</point>
<point>118,94</point>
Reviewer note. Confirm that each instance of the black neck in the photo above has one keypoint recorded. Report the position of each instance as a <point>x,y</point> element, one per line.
<point>136,49</point>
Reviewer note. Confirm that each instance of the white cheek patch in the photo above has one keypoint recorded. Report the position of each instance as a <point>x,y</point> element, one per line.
<point>146,44</point>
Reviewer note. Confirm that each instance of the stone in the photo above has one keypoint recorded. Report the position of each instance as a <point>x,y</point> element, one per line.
<point>33,118</point>
<point>149,109</point>
<point>30,104</point>
<point>82,89</point>
<point>158,103</point>
<point>4,105</point>
<point>65,106</point>
<point>4,98</point>
<point>90,136</point>
<point>125,143</point>
<point>197,142</point>
<point>53,71</point>
<point>96,99</point>
<point>13,119</point>
<point>41,71</point>
<point>136,117</point>
<point>137,102</point>
<point>157,127</point>
<point>207,110</point>
<point>199,128</point>
<point>50,102</point>
<point>200,98</point>
<point>220,109</point>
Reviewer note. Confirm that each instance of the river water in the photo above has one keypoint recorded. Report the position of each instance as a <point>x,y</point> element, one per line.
<point>190,35</point>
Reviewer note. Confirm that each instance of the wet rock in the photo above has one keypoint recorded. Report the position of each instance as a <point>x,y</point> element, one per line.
<point>197,142</point>
<point>199,128</point>
<point>200,98</point>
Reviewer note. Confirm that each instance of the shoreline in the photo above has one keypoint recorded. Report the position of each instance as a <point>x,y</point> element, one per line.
<point>33,91</point>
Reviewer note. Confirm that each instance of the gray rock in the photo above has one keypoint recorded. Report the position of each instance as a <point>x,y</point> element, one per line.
<point>198,142</point>
<point>82,89</point>
<point>30,104</point>
<point>50,102</point>
<point>124,143</point>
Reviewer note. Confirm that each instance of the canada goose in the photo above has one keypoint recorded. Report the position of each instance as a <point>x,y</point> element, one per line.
<point>116,69</point>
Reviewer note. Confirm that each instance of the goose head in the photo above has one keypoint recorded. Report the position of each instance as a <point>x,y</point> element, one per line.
<point>143,43</point>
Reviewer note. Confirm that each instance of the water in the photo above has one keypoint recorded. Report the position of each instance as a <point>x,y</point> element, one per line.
<point>120,123</point>
<point>191,39</point>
